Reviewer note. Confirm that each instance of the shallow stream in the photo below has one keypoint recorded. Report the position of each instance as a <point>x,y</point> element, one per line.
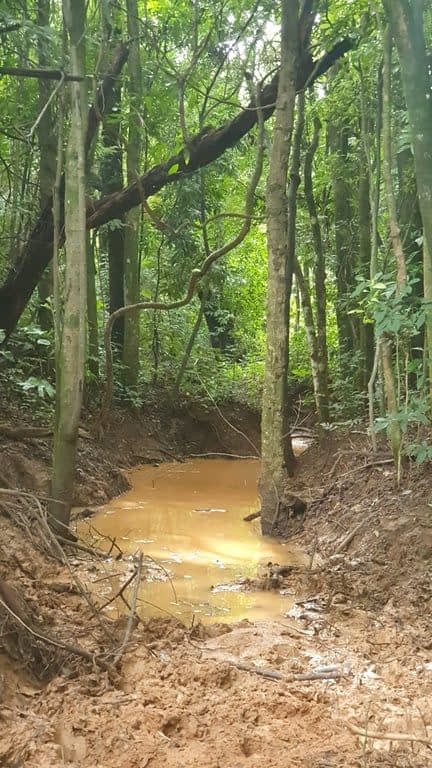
<point>188,517</point>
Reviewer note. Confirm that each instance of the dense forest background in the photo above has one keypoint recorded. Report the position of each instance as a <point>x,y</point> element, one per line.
<point>139,162</point>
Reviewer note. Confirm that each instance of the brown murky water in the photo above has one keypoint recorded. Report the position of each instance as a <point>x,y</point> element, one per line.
<point>189,518</point>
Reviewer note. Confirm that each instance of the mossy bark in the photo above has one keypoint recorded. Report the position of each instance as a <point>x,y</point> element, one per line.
<point>73,336</point>
<point>277,458</point>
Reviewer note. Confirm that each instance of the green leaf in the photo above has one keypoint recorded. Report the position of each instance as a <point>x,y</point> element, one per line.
<point>174,168</point>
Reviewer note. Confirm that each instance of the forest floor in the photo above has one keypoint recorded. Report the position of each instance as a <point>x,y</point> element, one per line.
<point>185,697</point>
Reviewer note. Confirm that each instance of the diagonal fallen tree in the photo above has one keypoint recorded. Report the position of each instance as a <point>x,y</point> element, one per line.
<point>24,276</point>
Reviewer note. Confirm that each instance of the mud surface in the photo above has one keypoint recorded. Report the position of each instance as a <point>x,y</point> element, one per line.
<point>363,612</point>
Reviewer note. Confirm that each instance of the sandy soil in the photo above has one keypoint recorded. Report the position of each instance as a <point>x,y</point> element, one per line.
<point>180,698</point>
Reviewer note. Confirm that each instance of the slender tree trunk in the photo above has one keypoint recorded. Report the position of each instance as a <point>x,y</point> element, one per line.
<point>407,24</point>
<point>133,217</point>
<point>390,384</point>
<point>365,240</point>
<point>321,373</point>
<point>411,225</point>
<point>277,462</point>
<point>395,233</point>
<point>312,339</point>
<point>343,216</point>
<point>371,151</point>
<point>427,285</point>
<point>47,157</point>
<point>294,183</point>
<point>112,181</point>
<point>188,350</point>
<point>92,316</point>
<point>73,342</point>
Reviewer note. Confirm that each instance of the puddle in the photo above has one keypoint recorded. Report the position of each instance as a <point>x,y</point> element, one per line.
<point>189,518</point>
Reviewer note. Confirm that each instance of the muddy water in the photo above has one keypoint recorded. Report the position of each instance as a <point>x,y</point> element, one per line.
<point>189,518</point>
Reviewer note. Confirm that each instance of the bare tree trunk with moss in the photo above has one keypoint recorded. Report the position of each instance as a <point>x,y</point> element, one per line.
<point>322,378</point>
<point>73,336</point>
<point>277,456</point>
<point>407,24</point>
<point>47,156</point>
<point>133,218</point>
<point>390,384</point>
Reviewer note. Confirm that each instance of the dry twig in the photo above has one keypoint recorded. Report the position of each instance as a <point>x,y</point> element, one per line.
<point>390,736</point>
<point>270,674</point>
<point>130,623</point>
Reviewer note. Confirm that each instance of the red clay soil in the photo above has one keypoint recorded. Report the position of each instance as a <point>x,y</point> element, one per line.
<point>160,433</point>
<point>180,699</point>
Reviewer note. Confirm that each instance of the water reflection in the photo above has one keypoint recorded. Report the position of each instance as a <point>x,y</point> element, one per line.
<point>190,518</point>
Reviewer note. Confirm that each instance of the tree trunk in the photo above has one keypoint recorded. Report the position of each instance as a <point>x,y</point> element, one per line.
<point>112,181</point>
<point>407,24</point>
<point>133,217</point>
<point>277,456</point>
<point>343,216</point>
<point>72,348</point>
<point>293,186</point>
<point>411,226</point>
<point>427,285</point>
<point>390,388</point>
<point>365,241</point>
<point>408,32</point>
<point>188,350</point>
<point>321,378</point>
<point>47,158</point>
<point>92,316</point>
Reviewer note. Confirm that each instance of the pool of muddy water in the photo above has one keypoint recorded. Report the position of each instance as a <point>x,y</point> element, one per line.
<point>188,518</point>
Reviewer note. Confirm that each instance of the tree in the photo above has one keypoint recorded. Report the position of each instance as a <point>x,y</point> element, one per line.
<point>71,361</point>
<point>407,25</point>
<point>47,155</point>
<point>133,217</point>
<point>320,365</point>
<point>276,450</point>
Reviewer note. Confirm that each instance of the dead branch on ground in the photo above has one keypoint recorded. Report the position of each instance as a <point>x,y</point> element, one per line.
<point>271,674</point>
<point>390,736</point>
<point>346,541</point>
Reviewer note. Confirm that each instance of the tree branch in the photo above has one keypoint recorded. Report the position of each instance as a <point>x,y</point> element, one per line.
<point>23,277</point>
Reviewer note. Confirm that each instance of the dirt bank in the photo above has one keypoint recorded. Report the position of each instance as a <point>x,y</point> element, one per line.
<point>182,697</point>
<point>158,433</point>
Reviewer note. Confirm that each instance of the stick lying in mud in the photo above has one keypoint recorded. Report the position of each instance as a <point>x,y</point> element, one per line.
<point>389,736</point>
<point>252,516</point>
<point>346,541</point>
<point>301,677</point>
